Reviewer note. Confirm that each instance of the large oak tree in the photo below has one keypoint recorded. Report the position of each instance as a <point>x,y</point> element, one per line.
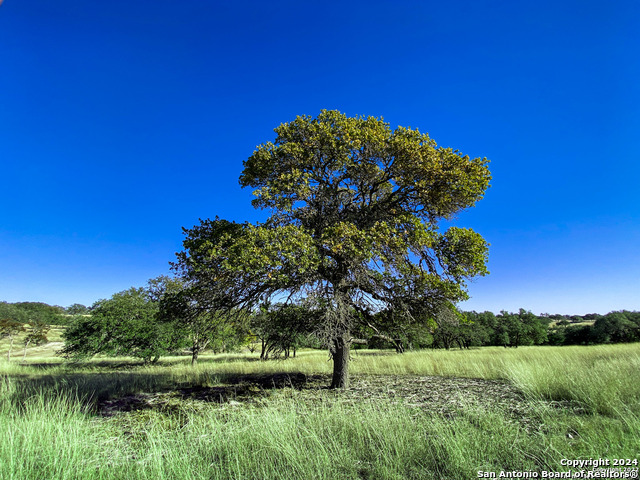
<point>354,227</point>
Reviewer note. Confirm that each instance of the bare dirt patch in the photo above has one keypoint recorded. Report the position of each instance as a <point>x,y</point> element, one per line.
<point>440,395</point>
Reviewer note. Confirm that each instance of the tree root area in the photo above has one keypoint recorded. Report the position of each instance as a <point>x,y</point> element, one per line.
<point>438,395</point>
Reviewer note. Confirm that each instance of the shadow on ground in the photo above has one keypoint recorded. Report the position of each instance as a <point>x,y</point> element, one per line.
<point>110,393</point>
<point>126,390</point>
<point>232,390</point>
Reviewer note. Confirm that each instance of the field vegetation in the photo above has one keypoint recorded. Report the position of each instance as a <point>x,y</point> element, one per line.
<point>424,414</point>
<point>318,319</point>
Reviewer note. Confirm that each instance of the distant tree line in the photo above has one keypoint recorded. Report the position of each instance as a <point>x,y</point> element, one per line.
<point>615,327</point>
<point>29,321</point>
<point>167,316</point>
<point>452,328</point>
<point>148,322</point>
<point>456,329</point>
<point>506,329</point>
<point>30,312</point>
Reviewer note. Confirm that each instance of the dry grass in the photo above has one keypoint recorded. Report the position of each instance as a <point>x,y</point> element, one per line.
<point>422,415</point>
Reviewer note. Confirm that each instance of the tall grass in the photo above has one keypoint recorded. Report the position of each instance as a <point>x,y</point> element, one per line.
<point>602,379</point>
<point>49,430</point>
<point>56,439</point>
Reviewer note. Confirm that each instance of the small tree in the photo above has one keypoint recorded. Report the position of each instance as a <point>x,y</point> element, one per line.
<point>10,329</point>
<point>281,328</point>
<point>77,309</point>
<point>125,324</point>
<point>477,329</point>
<point>36,335</point>
<point>522,328</point>
<point>615,327</point>
<point>448,329</point>
<point>199,324</point>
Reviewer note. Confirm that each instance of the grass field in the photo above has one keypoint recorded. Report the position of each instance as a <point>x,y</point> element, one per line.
<point>428,414</point>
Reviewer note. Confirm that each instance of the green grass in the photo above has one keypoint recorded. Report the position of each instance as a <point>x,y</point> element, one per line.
<point>602,378</point>
<point>44,351</point>
<point>49,428</point>
<point>288,439</point>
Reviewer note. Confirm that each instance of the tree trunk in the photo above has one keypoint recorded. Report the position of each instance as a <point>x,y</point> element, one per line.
<point>194,356</point>
<point>340,350</point>
<point>10,348</point>
<point>24,354</point>
<point>263,353</point>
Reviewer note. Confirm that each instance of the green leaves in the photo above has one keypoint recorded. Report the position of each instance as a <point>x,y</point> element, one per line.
<point>336,165</point>
<point>278,254</point>
<point>463,253</point>
<point>125,324</point>
<point>9,328</point>
<point>355,219</point>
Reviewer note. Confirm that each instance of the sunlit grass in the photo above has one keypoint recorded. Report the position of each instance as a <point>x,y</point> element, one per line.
<point>603,378</point>
<point>49,427</point>
<point>286,438</point>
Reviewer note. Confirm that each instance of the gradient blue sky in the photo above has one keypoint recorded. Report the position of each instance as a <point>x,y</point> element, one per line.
<point>122,121</point>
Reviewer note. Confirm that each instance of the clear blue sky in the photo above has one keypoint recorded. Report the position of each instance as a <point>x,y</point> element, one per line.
<point>123,121</point>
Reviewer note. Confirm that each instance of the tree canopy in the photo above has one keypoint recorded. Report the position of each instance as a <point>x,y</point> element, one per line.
<point>29,312</point>
<point>185,309</point>
<point>10,329</point>
<point>125,324</point>
<point>354,226</point>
